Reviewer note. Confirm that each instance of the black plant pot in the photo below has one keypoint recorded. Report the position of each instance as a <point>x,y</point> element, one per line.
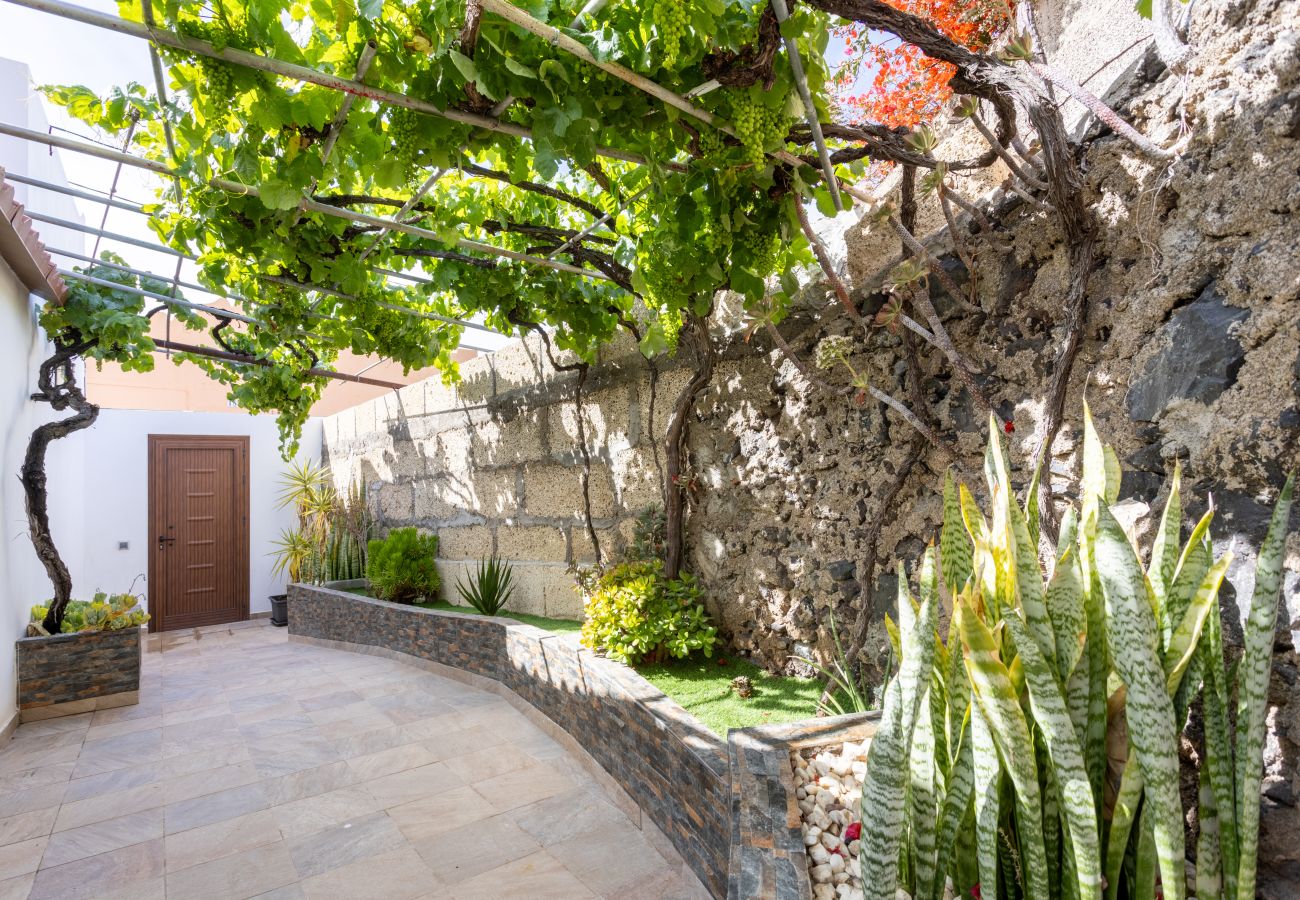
<point>280,609</point>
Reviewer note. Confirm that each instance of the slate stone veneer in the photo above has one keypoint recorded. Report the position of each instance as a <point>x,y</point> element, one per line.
<point>670,765</point>
<point>768,860</point>
<point>78,667</point>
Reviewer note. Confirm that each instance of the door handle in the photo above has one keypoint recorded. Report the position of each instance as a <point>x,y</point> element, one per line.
<point>163,540</point>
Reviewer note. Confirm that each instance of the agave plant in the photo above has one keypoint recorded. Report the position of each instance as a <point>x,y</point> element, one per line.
<point>989,768</point>
<point>489,590</point>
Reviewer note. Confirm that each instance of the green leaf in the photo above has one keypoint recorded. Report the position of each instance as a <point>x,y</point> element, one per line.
<point>279,195</point>
<point>883,791</point>
<point>1143,8</point>
<point>995,695</point>
<point>955,549</point>
<point>988,772</point>
<point>1252,687</point>
<point>464,65</point>
<point>1069,774</point>
<point>1150,712</point>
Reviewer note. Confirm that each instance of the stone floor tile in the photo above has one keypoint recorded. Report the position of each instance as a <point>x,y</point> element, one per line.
<point>17,888</point>
<point>234,877</point>
<point>101,837</point>
<point>108,806</point>
<point>96,877</point>
<point>431,816</point>
<point>588,856</point>
<point>345,843</point>
<point>386,762</point>
<point>538,877</point>
<point>288,892</point>
<point>566,816</point>
<point>314,701</point>
<point>22,858</point>
<point>200,784</point>
<point>489,763</point>
<point>209,842</point>
<point>110,782</point>
<point>28,825</point>
<point>38,776</point>
<point>447,742</point>
<point>412,784</point>
<point>366,777</point>
<point>398,875</point>
<point>470,850</point>
<point>215,807</point>
<point>523,786</point>
<point>366,742</point>
<point>309,783</point>
<point>318,813</point>
<point>31,755</point>
<point>309,754</point>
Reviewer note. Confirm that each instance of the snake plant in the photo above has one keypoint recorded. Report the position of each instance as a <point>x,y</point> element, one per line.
<point>1034,752</point>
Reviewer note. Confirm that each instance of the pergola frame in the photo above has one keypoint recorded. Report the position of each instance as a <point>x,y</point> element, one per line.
<point>353,88</point>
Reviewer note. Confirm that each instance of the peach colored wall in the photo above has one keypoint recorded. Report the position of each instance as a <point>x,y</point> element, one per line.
<point>185,387</point>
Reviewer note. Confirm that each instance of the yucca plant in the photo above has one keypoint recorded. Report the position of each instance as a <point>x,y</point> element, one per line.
<point>491,587</point>
<point>989,767</point>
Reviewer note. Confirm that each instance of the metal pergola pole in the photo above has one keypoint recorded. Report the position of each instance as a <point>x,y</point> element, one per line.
<point>809,107</point>
<point>214,353</point>
<point>161,298</point>
<point>306,204</point>
<point>72,192</point>
<point>165,38</point>
<point>111,235</point>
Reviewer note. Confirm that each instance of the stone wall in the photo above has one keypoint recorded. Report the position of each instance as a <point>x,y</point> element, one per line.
<point>1191,352</point>
<point>68,674</point>
<point>673,769</point>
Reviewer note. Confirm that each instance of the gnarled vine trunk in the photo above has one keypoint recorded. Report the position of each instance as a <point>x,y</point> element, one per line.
<point>57,383</point>
<point>677,482</point>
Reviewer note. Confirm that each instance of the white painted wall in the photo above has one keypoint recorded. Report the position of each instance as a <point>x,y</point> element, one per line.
<point>116,505</point>
<point>22,580</point>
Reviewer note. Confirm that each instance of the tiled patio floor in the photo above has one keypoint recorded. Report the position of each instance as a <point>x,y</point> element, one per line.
<point>256,767</point>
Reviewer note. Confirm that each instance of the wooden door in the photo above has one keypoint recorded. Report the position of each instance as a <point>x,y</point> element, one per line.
<point>198,538</point>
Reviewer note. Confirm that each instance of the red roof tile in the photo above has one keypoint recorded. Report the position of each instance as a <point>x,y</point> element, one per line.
<point>21,248</point>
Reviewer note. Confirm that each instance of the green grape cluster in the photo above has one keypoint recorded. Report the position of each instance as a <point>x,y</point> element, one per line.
<point>670,17</point>
<point>218,79</point>
<point>404,131</point>
<point>757,248</point>
<point>758,125</point>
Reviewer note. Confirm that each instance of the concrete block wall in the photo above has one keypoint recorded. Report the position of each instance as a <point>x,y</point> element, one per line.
<point>493,465</point>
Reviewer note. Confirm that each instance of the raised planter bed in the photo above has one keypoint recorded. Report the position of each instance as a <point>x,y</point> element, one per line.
<point>67,674</point>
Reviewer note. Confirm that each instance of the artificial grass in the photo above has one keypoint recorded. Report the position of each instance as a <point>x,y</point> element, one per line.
<point>703,688</point>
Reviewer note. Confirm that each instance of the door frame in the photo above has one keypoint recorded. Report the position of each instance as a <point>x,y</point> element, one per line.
<point>158,445</point>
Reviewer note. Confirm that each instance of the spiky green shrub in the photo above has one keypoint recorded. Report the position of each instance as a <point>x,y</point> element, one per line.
<point>990,763</point>
<point>490,589</point>
<point>401,566</point>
